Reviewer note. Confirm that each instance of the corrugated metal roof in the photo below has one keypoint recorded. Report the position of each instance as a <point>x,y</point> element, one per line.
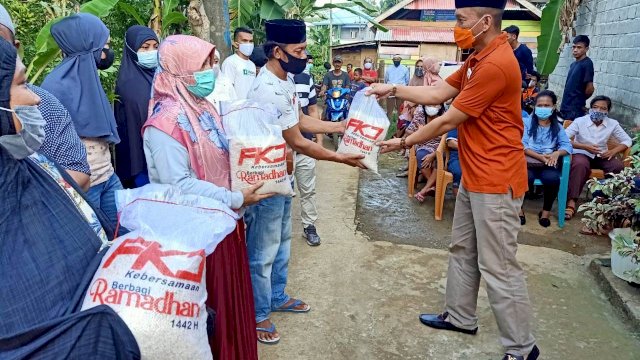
<point>449,5</point>
<point>416,34</point>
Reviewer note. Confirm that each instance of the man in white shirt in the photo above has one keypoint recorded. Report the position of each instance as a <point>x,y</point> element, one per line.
<point>269,221</point>
<point>237,67</point>
<point>590,134</point>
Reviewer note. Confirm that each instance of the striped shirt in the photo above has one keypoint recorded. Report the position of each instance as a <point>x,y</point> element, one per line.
<point>307,94</point>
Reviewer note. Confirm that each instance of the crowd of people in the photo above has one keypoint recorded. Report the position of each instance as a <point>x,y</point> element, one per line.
<point>56,142</point>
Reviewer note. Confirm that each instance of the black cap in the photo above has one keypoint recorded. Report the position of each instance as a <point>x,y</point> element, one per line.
<point>285,31</point>
<point>496,4</point>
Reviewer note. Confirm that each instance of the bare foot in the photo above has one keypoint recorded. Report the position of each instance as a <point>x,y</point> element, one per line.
<point>265,336</point>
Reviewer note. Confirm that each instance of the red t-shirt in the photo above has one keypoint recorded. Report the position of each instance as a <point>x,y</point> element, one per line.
<point>369,74</point>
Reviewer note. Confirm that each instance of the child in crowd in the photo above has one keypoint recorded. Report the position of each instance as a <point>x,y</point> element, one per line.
<point>357,83</point>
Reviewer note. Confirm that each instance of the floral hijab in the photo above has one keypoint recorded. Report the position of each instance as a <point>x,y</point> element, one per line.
<point>192,121</point>
<point>431,78</point>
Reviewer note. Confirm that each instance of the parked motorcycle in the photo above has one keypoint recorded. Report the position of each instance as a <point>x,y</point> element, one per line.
<point>337,109</point>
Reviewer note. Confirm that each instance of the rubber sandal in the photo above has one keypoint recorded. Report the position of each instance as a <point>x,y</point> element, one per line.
<point>419,197</point>
<point>269,330</point>
<point>292,308</point>
<point>569,212</point>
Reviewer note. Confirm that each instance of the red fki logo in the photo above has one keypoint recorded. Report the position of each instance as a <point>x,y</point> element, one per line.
<point>151,252</point>
<point>368,131</point>
<point>269,155</point>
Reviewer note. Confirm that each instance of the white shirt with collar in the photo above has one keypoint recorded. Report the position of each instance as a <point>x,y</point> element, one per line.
<point>584,131</point>
<point>268,88</point>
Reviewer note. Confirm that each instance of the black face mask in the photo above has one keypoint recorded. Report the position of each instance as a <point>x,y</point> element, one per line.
<point>396,63</point>
<point>104,64</point>
<point>295,65</point>
<point>419,72</point>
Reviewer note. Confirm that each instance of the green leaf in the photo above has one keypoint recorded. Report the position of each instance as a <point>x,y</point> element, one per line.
<point>99,8</point>
<point>171,19</point>
<point>286,5</point>
<point>353,11</point>
<point>363,4</point>
<point>133,12</point>
<point>550,37</point>
<point>270,10</point>
<point>40,63</point>
<point>168,6</point>
<point>241,12</point>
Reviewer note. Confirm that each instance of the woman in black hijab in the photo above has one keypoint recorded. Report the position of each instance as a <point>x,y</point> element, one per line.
<point>139,61</point>
<point>48,250</point>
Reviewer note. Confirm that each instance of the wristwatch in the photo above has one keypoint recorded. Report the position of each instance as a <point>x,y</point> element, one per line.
<point>403,143</point>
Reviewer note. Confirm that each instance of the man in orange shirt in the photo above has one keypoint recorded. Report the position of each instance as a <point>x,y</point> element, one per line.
<point>487,113</point>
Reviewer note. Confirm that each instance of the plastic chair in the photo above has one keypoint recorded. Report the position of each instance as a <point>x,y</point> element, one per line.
<point>443,177</point>
<point>412,173</point>
<point>564,188</point>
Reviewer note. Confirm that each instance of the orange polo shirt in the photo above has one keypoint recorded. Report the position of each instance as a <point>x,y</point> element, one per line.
<point>490,141</point>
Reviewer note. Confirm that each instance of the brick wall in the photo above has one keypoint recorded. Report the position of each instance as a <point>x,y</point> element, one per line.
<point>614,29</point>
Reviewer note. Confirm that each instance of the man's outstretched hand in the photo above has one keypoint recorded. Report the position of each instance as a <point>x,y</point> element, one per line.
<point>380,91</point>
<point>389,145</point>
<point>352,160</point>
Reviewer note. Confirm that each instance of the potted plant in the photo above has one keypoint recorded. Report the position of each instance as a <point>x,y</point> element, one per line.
<point>625,254</point>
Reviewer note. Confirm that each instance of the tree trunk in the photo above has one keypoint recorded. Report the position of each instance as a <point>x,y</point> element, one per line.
<point>214,11</point>
<point>198,20</point>
<point>155,23</point>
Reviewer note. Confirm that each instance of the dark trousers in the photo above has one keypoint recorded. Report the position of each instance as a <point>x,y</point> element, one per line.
<point>550,178</point>
<point>393,103</point>
<point>581,166</point>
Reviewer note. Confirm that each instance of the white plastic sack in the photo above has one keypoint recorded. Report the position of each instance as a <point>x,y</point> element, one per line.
<point>367,124</point>
<point>257,150</point>
<point>154,277</point>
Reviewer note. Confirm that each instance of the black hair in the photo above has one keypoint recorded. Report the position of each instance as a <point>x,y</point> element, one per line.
<point>440,112</point>
<point>601,98</point>
<point>350,64</point>
<point>258,56</point>
<point>327,66</point>
<point>241,29</point>
<point>584,39</point>
<point>357,70</point>
<point>419,60</point>
<point>536,75</point>
<point>555,123</point>
<point>514,30</point>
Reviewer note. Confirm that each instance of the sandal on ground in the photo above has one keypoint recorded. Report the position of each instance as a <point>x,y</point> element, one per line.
<point>544,222</point>
<point>269,330</point>
<point>292,307</point>
<point>569,212</point>
<point>419,197</point>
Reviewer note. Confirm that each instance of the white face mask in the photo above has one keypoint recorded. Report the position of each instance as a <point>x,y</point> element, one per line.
<point>368,66</point>
<point>30,138</point>
<point>431,110</point>
<point>246,49</point>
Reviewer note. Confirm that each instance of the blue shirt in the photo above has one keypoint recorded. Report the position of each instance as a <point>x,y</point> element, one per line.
<point>61,142</point>
<point>453,154</point>
<point>525,60</point>
<point>543,143</point>
<point>396,75</point>
<point>575,97</point>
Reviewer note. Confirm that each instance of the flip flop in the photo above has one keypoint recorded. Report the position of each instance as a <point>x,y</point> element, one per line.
<point>269,330</point>
<point>292,308</point>
<point>569,212</point>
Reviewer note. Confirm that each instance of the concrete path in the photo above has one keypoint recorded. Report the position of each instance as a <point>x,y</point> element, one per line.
<point>366,295</point>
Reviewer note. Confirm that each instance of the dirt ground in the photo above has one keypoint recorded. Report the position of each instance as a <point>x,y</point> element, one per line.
<point>367,284</point>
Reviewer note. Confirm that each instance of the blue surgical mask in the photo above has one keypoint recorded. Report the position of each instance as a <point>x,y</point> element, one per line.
<point>148,59</point>
<point>205,82</point>
<point>28,140</point>
<point>543,113</point>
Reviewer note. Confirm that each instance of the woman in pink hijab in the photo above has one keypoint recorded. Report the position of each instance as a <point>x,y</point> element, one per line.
<point>185,145</point>
<point>431,68</point>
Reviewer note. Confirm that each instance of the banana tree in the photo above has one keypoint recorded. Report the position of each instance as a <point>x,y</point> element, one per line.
<point>165,13</point>
<point>557,29</point>
<point>46,48</point>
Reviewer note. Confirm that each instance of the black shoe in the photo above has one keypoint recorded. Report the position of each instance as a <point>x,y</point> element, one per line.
<point>437,321</point>
<point>523,220</point>
<point>533,355</point>
<point>311,234</point>
<point>544,222</point>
